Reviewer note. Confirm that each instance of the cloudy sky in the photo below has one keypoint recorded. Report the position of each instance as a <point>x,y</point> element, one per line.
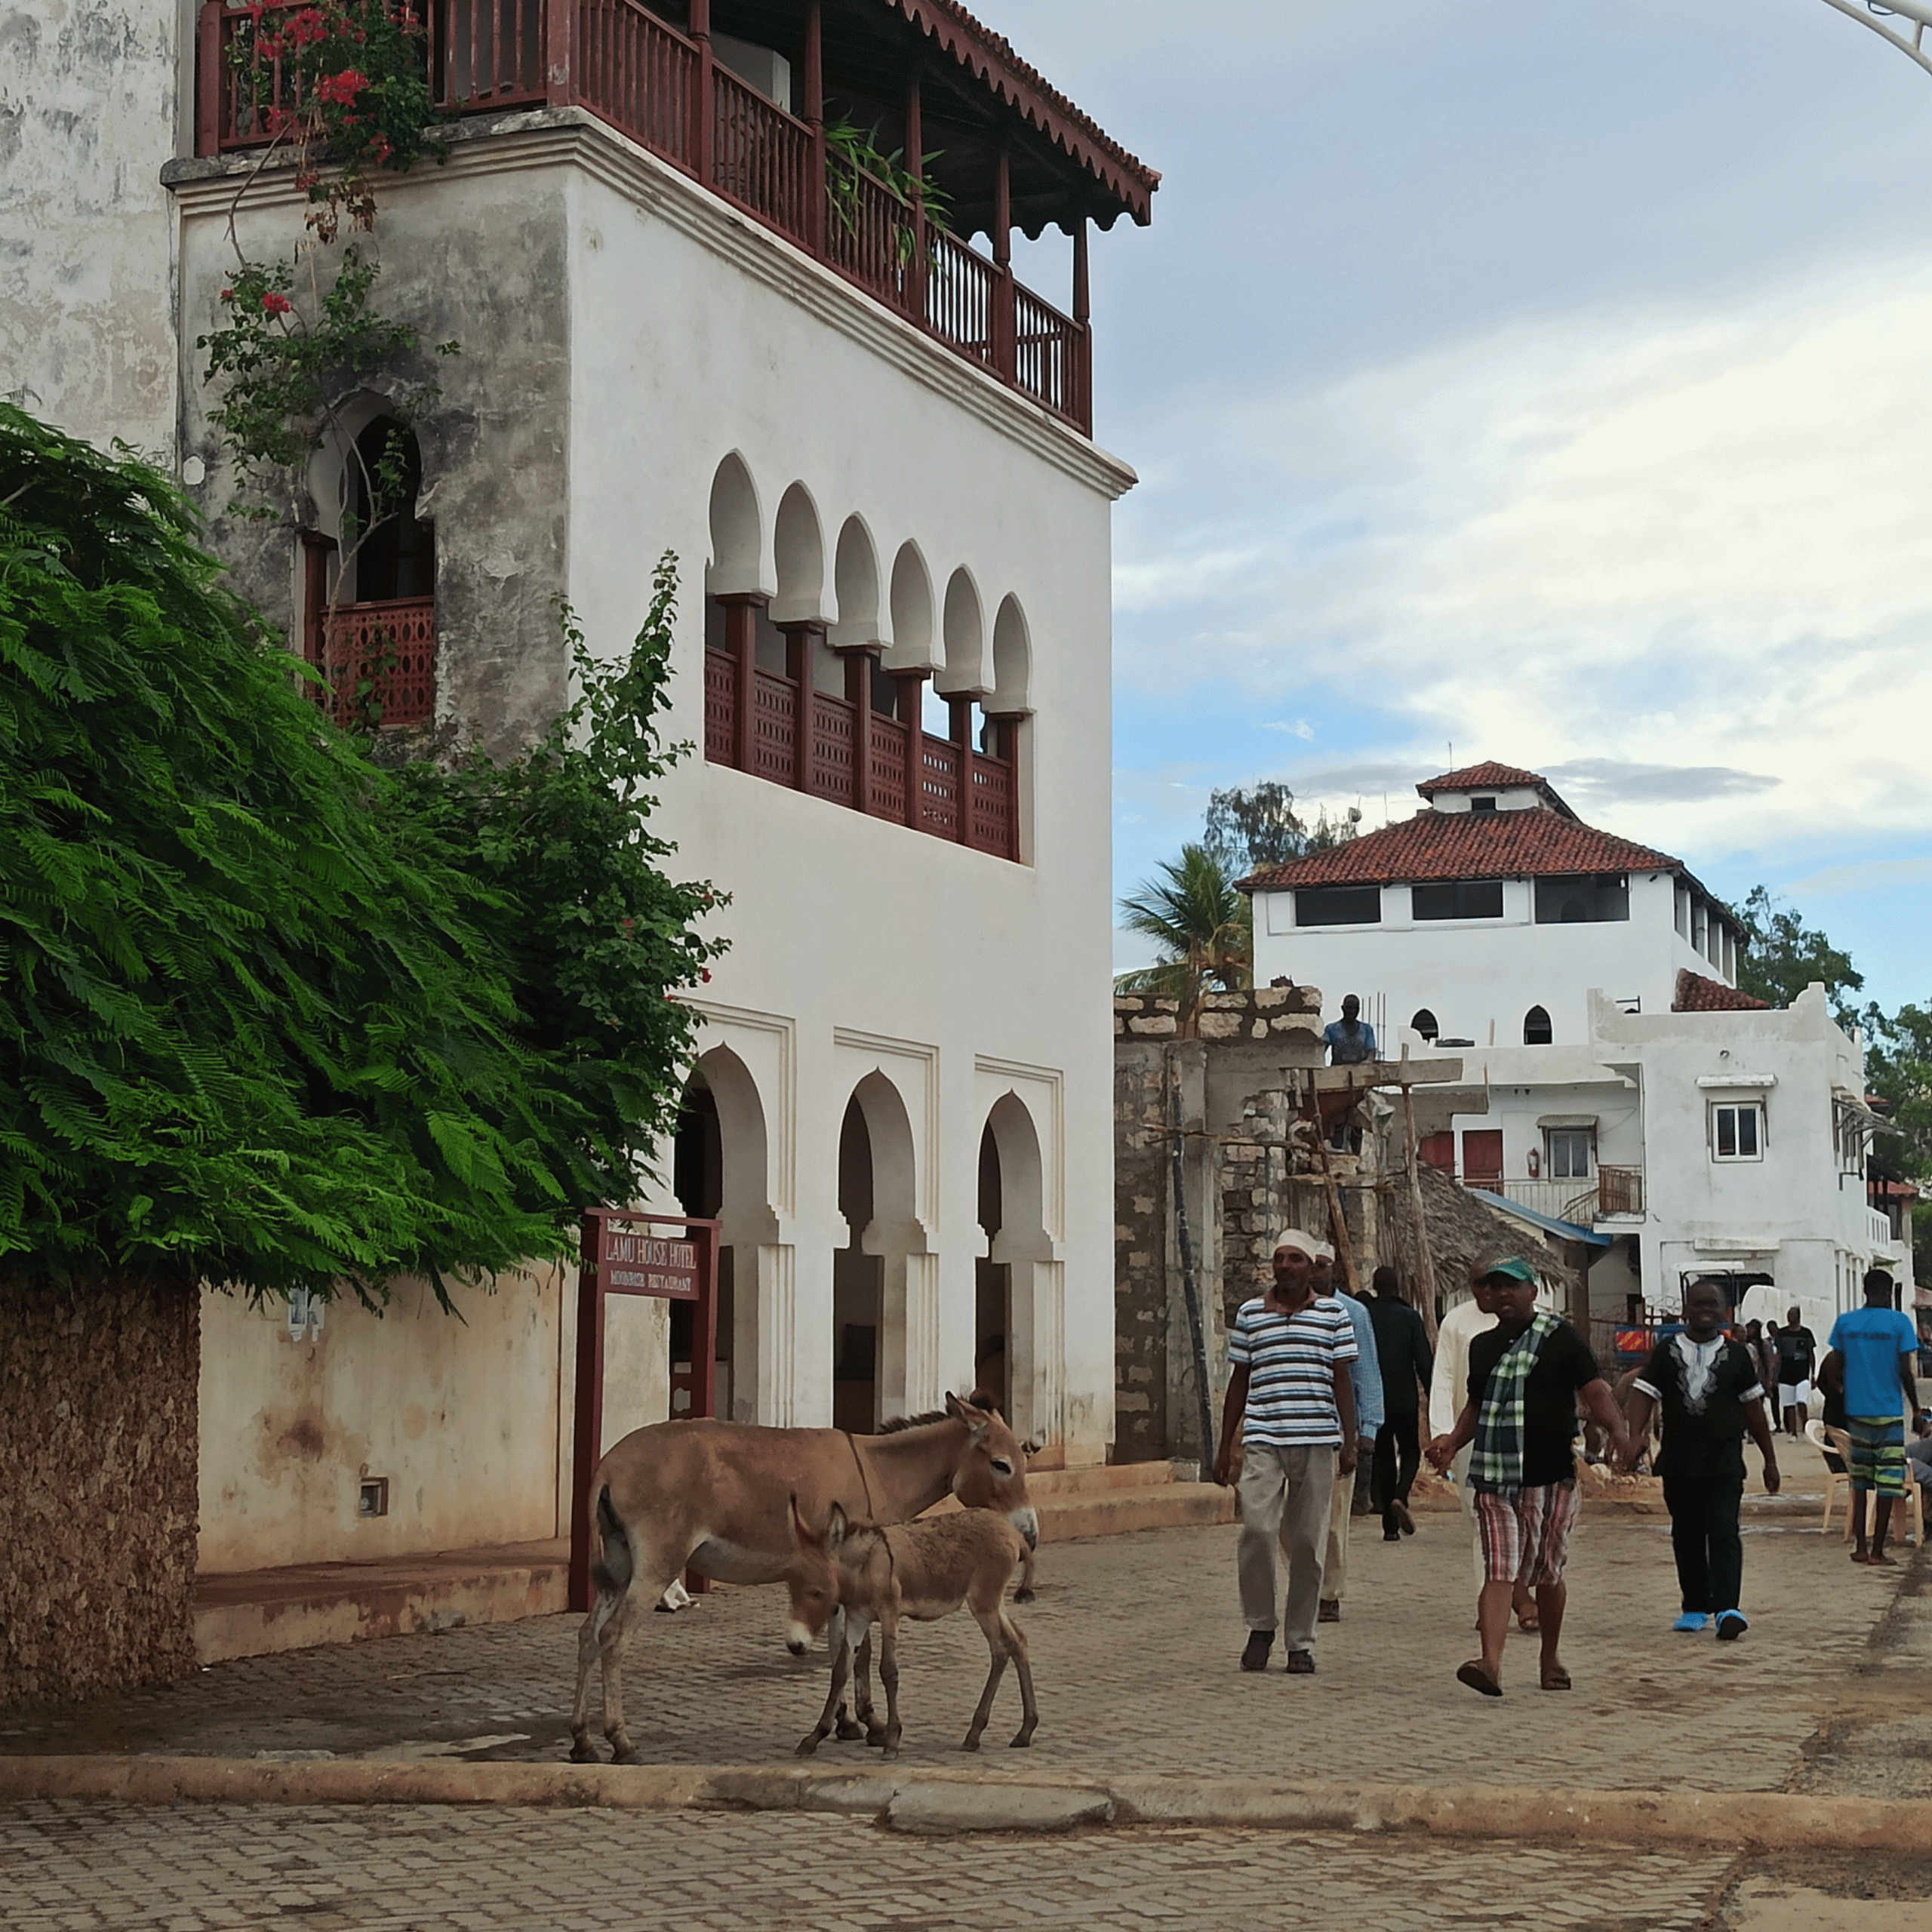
<point>1552,381</point>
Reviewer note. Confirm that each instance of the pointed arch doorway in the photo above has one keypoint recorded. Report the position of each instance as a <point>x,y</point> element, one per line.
<point>719,1171</point>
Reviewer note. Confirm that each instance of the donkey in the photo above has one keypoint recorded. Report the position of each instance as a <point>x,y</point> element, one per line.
<point>923,1571</point>
<point>711,1497</point>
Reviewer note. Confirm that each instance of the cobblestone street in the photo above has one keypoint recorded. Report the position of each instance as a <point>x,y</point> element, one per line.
<point>411,1869</point>
<point>1134,1640</point>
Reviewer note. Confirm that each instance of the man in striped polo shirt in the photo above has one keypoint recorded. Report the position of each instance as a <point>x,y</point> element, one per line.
<point>1289,1393</point>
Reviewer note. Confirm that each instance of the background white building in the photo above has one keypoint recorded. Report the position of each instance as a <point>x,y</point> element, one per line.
<point>870,447</point>
<point>1618,1089</point>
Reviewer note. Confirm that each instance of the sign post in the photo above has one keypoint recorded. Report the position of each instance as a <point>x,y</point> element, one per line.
<point>670,1257</point>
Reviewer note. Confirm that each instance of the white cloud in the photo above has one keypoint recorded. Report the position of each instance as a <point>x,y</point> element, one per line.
<point>1863,875</point>
<point>1684,556</point>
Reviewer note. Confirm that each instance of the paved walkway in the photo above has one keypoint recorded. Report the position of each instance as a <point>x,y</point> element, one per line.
<point>71,1869</point>
<point>1135,1641</point>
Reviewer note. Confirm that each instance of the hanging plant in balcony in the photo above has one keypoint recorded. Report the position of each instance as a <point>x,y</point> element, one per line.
<point>850,153</point>
<point>342,90</point>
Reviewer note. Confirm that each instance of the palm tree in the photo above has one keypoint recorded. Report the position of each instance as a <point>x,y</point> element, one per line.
<point>1205,927</point>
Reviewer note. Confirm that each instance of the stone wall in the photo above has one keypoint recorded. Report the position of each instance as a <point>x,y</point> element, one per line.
<point>98,1438</point>
<point>1209,1087</point>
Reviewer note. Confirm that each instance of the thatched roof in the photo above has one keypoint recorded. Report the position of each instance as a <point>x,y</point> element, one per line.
<point>1463,1229</point>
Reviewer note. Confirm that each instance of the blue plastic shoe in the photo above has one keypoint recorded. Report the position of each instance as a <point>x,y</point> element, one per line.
<point>1695,1619</point>
<point>1731,1625</point>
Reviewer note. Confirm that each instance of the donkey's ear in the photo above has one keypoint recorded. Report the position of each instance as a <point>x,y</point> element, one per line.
<point>1030,1450</point>
<point>835,1530</point>
<point>802,1530</point>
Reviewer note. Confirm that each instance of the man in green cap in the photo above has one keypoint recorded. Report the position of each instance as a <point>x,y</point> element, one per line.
<point>1525,1377</point>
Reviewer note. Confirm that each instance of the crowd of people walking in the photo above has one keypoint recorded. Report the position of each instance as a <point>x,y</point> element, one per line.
<point>1326,1388</point>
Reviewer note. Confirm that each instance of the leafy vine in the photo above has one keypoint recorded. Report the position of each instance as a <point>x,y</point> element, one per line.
<point>340,88</point>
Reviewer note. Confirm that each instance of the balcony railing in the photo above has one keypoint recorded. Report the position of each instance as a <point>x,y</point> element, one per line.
<point>1582,1203</point>
<point>378,662</point>
<point>621,63</point>
<point>811,742</point>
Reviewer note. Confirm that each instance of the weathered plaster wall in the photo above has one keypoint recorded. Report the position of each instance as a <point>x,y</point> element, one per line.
<point>475,256</point>
<point>463,1416</point>
<point>90,98</point>
<point>97,1436</point>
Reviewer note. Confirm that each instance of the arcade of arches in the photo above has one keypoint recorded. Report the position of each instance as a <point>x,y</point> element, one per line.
<point>884,1340</point>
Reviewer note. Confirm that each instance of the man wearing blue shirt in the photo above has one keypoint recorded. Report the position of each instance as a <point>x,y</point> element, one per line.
<point>1872,1349</point>
<point>1350,1040</point>
<point>1365,1378</point>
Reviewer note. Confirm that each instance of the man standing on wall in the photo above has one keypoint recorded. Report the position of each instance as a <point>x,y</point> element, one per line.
<point>1798,1357</point>
<point>1402,1354</point>
<point>1365,1383</point>
<point>1290,1395</point>
<point>1710,1392</point>
<point>1526,1375</point>
<point>1872,1351</point>
<point>1350,1040</point>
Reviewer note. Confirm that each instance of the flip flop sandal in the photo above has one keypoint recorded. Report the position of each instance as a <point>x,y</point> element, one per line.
<point>1558,1679</point>
<point>1473,1674</point>
<point>1527,1621</point>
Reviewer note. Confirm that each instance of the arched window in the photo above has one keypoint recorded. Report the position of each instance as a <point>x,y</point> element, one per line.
<point>1535,1027</point>
<point>395,550</point>
<point>1424,1023</point>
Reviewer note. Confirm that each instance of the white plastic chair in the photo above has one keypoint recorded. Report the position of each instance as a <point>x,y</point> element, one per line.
<point>1836,1442</point>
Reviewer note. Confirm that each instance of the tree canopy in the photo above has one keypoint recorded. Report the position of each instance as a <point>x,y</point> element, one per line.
<point>271,1017</point>
<point>1785,956</point>
<point>1249,827</point>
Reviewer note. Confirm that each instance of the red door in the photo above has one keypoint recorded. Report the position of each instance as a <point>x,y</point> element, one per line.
<point>1482,1154</point>
<point>1438,1150</point>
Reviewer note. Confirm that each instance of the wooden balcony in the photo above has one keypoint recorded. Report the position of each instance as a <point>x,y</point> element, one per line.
<point>622,62</point>
<point>378,662</point>
<point>845,752</point>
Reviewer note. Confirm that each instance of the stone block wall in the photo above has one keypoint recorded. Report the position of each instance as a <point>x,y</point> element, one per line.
<point>1210,1086</point>
<point>98,1447</point>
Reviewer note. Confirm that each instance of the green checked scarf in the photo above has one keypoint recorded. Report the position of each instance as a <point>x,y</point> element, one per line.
<point>1495,1462</point>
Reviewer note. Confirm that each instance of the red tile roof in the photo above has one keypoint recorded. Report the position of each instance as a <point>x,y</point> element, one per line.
<point>1484,778</point>
<point>1437,845</point>
<point>1697,994</point>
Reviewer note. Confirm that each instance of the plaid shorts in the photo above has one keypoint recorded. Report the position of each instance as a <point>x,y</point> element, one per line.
<point>1878,1454</point>
<point>1525,1537</point>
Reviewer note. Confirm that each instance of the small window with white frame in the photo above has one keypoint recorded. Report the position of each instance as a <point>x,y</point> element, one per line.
<point>1737,1130</point>
<point>1569,1150</point>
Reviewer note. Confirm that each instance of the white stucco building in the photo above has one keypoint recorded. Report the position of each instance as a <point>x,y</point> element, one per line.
<point>1618,1089</point>
<point>870,448</point>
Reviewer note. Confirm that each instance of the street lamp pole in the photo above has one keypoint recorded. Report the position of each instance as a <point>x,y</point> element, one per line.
<point>1919,12</point>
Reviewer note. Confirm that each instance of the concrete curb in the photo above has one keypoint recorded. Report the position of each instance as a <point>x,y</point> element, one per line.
<point>951,1801</point>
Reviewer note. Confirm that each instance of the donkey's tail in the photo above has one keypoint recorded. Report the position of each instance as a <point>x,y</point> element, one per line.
<point>610,1571</point>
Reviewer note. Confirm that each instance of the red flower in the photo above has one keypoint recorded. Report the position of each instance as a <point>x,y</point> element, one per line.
<point>704,974</point>
<point>273,304</point>
<point>379,149</point>
<point>228,295</point>
<point>340,89</point>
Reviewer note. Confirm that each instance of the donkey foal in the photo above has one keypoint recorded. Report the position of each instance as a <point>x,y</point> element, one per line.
<point>924,1570</point>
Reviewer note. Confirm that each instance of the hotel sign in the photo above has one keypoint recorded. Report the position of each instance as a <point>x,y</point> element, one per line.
<point>632,1261</point>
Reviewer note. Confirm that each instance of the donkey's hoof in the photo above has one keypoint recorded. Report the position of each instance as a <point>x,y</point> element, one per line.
<point>849,1732</point>
<point>583,1752</point>
<point>972,1744</point>
<point>1022,1596</point>
<point>875,1739</point>
<point>1023,1742</point>
<point>892,1750</point>
<point>623,1754</point>
<point>807,1745</point>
